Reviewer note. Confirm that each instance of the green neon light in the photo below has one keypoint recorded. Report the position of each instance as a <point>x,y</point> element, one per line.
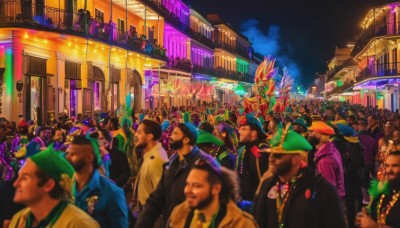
<point>8,72</point>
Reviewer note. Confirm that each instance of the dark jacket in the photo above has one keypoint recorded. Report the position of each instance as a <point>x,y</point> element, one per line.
<point>392,218</point>
<point>370,147</point>
<point>312,203</point>
<point>119,168</point>
<point>246,166</point>
<point>169,191</point>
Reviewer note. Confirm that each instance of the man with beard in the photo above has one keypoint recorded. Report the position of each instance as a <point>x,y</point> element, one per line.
<point>295,196</point>
<point>170,189</point>
<point>327,158</point>
<point>385,208</point>
<point>57,138</point>
<point>250,163</point>
<point>210,191</point>
<point>147,136</point>
<point>42,138</point>
<point>94,193</point>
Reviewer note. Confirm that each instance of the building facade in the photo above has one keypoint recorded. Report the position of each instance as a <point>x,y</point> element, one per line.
<point>371,75</point>
<point>92,56</point>
<point>68,56</point>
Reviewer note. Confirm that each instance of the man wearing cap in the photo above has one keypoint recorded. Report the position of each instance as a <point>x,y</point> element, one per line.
<point>170,190</point>
<point>215,147</point>
<point>327,158</point>
<point>42,138</point>
<point>296,196</point>
<point>300,126</point>
<point>210,191</point>
<point>44,186</point>
<point>95,194</point>
<point>353,168</point>
<point>250,162</point>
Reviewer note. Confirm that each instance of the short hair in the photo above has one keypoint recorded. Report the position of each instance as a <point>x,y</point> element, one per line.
<point>54,130</point>
<point>374,117</point>
<point>207,126</point>
<point>186,131</point>
<point>228,180</point>
<point>152,127</point>
<point>57,192</point>
<point>82,140</point>
<point>114,121</point>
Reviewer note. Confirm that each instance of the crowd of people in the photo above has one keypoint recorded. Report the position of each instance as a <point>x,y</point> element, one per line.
<point>317,164</point>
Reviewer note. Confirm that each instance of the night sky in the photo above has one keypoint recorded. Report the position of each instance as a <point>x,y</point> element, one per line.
<point>301,34</point>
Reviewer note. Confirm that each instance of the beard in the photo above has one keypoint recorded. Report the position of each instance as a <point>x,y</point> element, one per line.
<point>395,182</point>
<point>141,146</point>
<point>176,145</point>
<point>78,165</point>
<point>205,202</point>
<point>313,140</point>
<point>284,167</point>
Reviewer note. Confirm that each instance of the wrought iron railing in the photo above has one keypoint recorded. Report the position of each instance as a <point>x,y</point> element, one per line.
<point>231,49</point>
<point>379,70</point>
<point>376,29</point>
<point>221,72</point>
<point>174,21</point>
<point>32,15</point>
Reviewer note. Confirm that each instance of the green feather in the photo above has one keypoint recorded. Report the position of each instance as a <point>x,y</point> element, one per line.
<point>377,188</point>
<point>186,117</point>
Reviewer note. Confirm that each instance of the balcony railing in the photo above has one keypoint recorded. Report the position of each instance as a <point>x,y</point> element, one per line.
<point>52,19</point>
<point>376,70</point>
<point>202,39</point>
<point>376,29</point>
<point>338,90</point>
<point>180,64</point>
<point>346,63</point>
<point>221,72</point>
<point>231,49</point>
<point>174,21</point>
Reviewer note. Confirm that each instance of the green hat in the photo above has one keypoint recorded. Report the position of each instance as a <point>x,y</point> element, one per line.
<point>251,119</point>
<point>288,142</point>
<point>219,118</point>
<point>300,122</point>
<point>205,137</point>
<point>53,164</point>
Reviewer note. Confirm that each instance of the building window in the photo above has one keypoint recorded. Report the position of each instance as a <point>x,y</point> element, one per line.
<point>99,15</point>
<point>121,25</point>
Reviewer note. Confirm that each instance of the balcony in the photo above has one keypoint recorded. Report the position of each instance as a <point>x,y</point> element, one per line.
<point>376,29</point>
<point>220,72</point>
<point>28,15</point>
<point>338,90</point>
<point>180,64</point>
<point>232,49</point>
<point>379,70</point>
<point>174,21</point>
<point>346,63</point>
<point>201,38</point>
